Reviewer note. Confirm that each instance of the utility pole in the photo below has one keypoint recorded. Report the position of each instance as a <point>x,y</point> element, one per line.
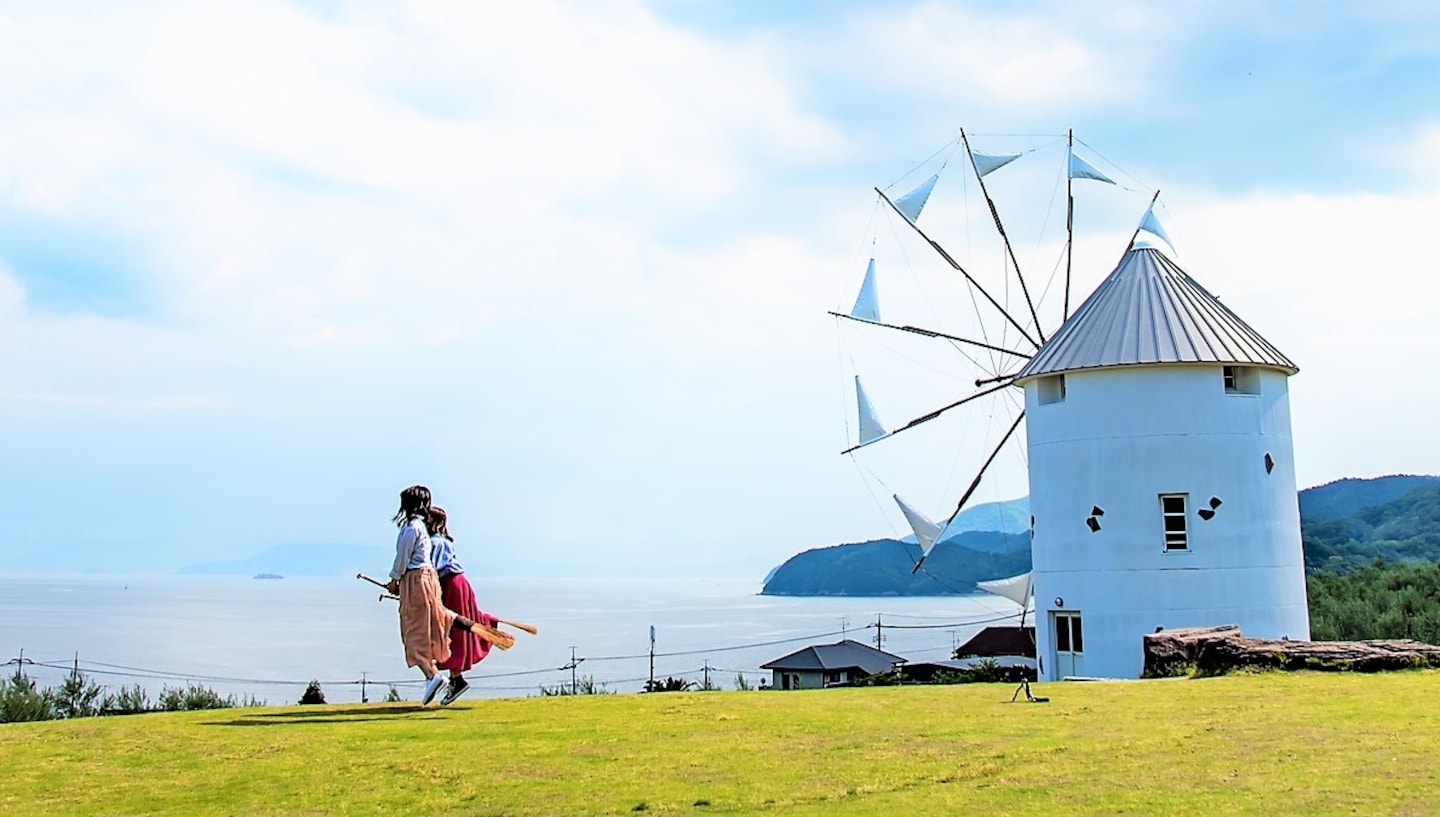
<point>844,627</point>
<point>879,633</point>
<point>707,674</point>
<point>650,687</point>
<point>22,661</point>
<point>574,680</point>
<point>364,699</point>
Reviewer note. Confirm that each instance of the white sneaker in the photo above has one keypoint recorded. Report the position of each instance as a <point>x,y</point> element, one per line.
<point>432,687</point>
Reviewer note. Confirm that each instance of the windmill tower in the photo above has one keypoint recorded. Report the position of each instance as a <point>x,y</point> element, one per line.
<point>1162,483</point>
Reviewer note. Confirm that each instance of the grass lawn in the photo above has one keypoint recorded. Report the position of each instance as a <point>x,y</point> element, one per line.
<point>1303,743</point>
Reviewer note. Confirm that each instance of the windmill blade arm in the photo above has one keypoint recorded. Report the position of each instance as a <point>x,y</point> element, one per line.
<point>956,266</point>
<point>925,418</point>
<point>931,333</point>
<point>993,454</point>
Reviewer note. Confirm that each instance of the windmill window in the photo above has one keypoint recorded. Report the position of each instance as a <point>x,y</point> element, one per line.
<point>1241,380</point>
<point>1051,389</point>
<point>1172,510</point>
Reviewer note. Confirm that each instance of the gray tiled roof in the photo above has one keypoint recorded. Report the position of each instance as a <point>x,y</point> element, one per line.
<point>840,655</point>
<point>1149,311</point>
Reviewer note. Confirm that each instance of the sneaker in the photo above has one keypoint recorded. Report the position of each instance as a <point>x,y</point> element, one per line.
<point>432,687</point>
<point>457,688</point>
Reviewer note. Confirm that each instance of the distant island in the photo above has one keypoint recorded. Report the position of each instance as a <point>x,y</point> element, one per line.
<point>300,559</point>
<point>1344,524</point>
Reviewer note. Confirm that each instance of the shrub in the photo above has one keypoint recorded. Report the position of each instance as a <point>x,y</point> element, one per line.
<point>742,683</point>
<point>671,684</point>
<point>193,696</point>
<point>585,686</point>
<point>314,694</point>
<point>126,701</point>
<point>393,696</point>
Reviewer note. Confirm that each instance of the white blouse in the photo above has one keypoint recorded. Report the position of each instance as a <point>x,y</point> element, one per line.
<point>412,547</point>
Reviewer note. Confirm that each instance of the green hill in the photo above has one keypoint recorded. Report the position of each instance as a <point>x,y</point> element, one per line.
<point>885,567</point>
<point>1404,528</point>
<point>1344,497</point>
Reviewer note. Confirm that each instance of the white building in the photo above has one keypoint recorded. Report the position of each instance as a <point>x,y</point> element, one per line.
<point>1162,481</point>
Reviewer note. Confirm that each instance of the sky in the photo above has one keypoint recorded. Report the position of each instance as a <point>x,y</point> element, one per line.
<point>265,263</point>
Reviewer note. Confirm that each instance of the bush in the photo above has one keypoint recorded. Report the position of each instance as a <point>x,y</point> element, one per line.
<point>393,696</point>
<point>742,684</point>
<point>127,701</point>
<point>194,696</point>
<point>584,686</point>
<point>669,685</point>
<point>314,694</point>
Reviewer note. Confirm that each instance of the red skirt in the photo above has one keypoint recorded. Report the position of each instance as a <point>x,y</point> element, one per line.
<point>466,648</point>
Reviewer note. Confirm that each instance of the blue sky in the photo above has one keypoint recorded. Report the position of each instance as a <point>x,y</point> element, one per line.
<point>262,264</point>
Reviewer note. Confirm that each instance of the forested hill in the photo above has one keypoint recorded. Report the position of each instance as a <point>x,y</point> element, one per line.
<point>885,567</point>
<point>1403,528</point>
<point>1344,524</point>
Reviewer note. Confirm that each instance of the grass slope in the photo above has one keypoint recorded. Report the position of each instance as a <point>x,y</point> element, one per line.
<point>1253,744</point>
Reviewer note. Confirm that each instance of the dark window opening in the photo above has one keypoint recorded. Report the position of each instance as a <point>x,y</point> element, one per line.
<point>1172,510</point>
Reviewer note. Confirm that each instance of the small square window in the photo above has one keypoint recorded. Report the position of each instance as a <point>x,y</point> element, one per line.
<point>1241,380</point>
<point>1051,389</point>
<point>1172,512</point>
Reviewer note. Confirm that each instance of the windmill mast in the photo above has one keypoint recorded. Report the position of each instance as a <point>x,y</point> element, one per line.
<point>1069,220</point>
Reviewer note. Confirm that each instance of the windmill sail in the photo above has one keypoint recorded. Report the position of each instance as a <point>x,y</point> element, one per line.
<point>1014,588</point>
<point>867,303</point>
<point>987,163</point>
<point>1150,224</point>
<point>1081,169</point>
<point>913,202</point>
<point>871,429</point>
<point>927,531</point>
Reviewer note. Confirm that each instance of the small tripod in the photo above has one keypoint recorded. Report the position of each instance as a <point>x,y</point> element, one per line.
<point>1025,685</point>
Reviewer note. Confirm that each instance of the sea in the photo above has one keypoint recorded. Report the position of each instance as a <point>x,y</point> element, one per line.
<point>267,639</point>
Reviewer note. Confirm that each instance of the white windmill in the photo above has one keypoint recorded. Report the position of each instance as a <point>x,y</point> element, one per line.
<point>1160,461</point>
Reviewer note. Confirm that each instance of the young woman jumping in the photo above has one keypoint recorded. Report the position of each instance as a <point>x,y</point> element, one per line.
<point>466,648</point>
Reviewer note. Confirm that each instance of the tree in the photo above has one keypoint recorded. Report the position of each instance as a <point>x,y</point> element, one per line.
<point>21,701</point>
<point>314,694</point>
<point>78,696</point>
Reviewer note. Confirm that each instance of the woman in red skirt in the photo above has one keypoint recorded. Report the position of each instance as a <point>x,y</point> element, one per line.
<point>466,648</point>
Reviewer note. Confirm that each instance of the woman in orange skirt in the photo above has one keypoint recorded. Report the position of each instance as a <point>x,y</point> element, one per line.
<point>425,621</point>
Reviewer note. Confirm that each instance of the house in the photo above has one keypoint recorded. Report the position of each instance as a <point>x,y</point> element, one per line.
<point>822,665</point>
<point>995,642</point>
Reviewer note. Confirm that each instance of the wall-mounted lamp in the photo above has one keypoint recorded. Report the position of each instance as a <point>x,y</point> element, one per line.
<point>1059,602</point>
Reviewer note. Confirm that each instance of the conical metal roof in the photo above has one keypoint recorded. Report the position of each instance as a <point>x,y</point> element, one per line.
<point>1147,312</point>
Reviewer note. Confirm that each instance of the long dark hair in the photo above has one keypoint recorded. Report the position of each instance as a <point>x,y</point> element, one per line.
<point>414,501</point>
<point>437,522</point>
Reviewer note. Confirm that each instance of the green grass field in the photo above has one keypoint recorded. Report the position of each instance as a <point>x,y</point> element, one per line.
<point>1250,744</point>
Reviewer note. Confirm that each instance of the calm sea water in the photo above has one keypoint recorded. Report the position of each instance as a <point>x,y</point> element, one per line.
<point>269,638</point>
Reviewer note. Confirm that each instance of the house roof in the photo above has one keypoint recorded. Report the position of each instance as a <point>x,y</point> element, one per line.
<point>1148,311</point>
<point>845,654</point>
<point>995,641</point>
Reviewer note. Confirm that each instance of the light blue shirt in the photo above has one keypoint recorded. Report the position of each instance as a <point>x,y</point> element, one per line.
<point>412,547</point>
<point>442,551</point>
